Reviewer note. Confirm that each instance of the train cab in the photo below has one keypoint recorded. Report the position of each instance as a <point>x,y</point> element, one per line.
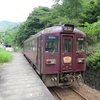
<point>64,54</point>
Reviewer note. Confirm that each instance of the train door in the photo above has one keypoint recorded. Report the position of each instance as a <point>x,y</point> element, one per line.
<point>66,52</point>
<point>39,53</point>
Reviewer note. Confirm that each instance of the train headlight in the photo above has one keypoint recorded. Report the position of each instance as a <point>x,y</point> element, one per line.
<point>81,60</point>
<point>50,61</point>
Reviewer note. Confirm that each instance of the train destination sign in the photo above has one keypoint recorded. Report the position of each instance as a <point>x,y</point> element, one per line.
<point>68,28</point>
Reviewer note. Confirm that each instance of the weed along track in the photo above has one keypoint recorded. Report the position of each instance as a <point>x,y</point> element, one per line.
<point>66,94</point>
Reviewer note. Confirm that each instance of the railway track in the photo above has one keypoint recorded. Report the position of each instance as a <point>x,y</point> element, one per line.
<point>66,94</point>
<point>79,93</point>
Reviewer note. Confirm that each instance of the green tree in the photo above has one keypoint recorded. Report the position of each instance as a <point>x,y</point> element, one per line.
<point>92,14</point>
<point>9,37</point>
<point>32,25</point>
<point>1,37</point>
<point>71,8</point>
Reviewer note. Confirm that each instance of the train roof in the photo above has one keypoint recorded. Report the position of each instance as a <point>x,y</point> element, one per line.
<point>56,29</point>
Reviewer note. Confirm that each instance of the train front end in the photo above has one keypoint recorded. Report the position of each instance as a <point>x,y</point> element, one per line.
<point>64,54</point>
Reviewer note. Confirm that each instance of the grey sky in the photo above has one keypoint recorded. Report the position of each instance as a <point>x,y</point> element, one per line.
<point>18,10</point>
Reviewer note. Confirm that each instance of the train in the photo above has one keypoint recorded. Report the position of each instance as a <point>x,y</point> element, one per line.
<point>58,54</point>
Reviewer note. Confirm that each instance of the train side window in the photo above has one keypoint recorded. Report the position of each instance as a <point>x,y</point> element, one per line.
<point>80,44</point>
<point>67,45</point>
<point>51,44</point>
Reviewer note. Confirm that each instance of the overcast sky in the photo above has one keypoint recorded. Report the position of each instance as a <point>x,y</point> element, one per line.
<point>18,10</point>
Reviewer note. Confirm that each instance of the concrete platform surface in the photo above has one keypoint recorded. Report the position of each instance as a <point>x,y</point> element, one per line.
<point>20,82</point>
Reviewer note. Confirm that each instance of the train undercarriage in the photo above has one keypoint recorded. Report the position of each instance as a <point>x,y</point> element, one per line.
<point>63,79</point>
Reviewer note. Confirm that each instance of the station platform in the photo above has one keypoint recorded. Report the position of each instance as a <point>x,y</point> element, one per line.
<point>19,81</point>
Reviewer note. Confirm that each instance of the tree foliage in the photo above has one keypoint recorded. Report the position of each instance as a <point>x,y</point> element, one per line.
<point>72,9</point>
<point>32,25</point>
<point>92,14</point>
<point>93,61</point>
<point>92,31</point>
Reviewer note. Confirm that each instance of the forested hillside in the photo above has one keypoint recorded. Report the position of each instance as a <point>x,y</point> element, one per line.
<point>8,32</point>
<point>4,25</point>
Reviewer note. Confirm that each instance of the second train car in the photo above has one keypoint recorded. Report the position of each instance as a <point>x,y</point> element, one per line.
<point>58,54</point>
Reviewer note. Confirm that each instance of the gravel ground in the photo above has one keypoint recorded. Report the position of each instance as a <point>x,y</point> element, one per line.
<point>88,92</point>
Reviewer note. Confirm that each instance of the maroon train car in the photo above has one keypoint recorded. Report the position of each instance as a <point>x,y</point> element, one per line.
<point>58,54</point>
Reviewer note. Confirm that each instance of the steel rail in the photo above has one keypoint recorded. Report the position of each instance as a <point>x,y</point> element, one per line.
<point>57,94</point>
<point>79,94</point>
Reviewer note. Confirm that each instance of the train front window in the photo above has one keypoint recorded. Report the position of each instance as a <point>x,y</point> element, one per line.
<point>51,44</point>
<point>67,45</point>
<point>80,44</point>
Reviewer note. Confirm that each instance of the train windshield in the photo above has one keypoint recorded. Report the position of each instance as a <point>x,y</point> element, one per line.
<point>67,45</point>
<point>51,44</point>
<point>80,44</point>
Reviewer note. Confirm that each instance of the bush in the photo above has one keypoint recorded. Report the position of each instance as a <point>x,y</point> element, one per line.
<point>93,61</point>
<point>92,32</point>
<point>5,56</point>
